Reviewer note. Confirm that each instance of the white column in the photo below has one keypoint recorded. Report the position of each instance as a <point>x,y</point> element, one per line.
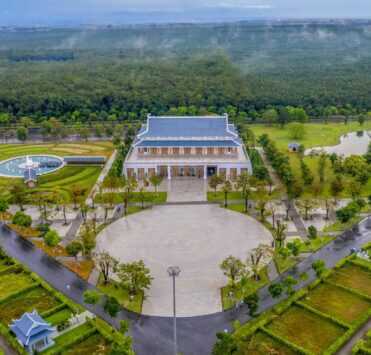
<point>228,173</point>
<point>238,171</point>
<point>136,173</point>
<point>169,172</point>
<point>156,170</point>
<point>145,172</point>
<point>217,170</point>
<point>205,172</point>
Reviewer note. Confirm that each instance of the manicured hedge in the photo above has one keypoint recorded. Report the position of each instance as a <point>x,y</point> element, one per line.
<point>20,292</point>
<point>51,311</point>
<point>351,290</point>
<point>6,333</point>
<point>286,342</point>
<point>336,346</point>
<point>326,316</point>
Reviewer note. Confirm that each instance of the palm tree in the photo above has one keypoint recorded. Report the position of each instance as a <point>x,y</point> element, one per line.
<point>279,234</point>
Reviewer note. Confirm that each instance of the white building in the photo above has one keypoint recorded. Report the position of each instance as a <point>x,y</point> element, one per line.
<point>187,147</point>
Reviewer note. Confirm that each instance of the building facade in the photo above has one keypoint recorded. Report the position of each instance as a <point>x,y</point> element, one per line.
<point>196,147</point>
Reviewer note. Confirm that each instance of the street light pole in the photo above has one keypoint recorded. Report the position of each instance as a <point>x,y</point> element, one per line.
<point>173,272</point>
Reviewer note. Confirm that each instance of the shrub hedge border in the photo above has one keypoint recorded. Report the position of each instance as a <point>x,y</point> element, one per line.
<point>286,342</point>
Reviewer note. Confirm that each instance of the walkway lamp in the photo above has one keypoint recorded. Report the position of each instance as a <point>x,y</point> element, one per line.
<point>173,272</point>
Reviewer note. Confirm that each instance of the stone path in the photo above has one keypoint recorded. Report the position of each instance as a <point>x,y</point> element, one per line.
<point>185,189</point>
<point>347,349</point>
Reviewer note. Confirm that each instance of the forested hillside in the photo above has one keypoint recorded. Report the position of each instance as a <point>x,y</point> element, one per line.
<point>244,68</point>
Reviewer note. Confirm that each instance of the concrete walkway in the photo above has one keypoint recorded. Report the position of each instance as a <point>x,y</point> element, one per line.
<point>153,335</point>
<point>185,189</point>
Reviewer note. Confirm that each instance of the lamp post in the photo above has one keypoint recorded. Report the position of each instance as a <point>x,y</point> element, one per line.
<point>173,272</point>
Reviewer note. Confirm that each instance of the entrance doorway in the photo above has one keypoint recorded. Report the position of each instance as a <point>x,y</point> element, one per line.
<point>211,170</point>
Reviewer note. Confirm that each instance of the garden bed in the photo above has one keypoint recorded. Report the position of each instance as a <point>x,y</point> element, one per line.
<point>37,298</point>
<point>306,329</point>
<point>337,302</point>
<point>354,277</point>
<point>262,344</point>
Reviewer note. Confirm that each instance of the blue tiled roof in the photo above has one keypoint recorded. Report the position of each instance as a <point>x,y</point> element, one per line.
<point>184,143</point>
<point>210,126</point>
<point>30,327</point>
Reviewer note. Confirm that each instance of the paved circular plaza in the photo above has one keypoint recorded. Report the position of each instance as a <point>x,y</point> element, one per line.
<point>194,237</point>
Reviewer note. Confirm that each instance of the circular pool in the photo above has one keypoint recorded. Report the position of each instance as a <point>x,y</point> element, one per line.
<point>41,164</point>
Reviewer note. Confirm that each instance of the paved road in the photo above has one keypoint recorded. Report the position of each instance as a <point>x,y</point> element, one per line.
<point>152,335</point>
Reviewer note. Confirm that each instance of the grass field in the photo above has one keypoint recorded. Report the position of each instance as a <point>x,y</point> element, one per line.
<point>353,276</point>
<point>262,344</point>
<point>251,287</point>
<point>339,303</point>
<point>12,282</point>
<point>306,329</point>
<point>38,298</point>
<point>122,296</point>
<point>63,179</point>
<point>332,311</point>
<point>149,197</point>
<point>62,149</point>
<point>316,135</point>
<point>94,345</point>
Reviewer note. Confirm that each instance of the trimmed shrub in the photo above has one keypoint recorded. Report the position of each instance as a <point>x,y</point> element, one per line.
<point>22,219</point>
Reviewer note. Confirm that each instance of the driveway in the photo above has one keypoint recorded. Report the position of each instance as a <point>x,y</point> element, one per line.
<point>194,237</point>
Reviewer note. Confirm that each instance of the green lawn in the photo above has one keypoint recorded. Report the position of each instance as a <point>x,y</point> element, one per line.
<point>60,316</point>
<point>353,276</point>
<point>339,303</point>
<point>317,134</point>
<point>284,263</point>
<point>93,345</point>
<point>13,282</point>
<point>262,344</point>
<point>122,296</point>
<point>38,298</point>
<point>306,329</point>
<point>69,337</point>
<point>149,197</point>
<point>339,227</point>
<point>62,180</point>
<point>62,149</point>
<point>252,286</point>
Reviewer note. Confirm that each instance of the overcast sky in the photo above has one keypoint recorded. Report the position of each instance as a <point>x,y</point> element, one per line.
<point>101,11</point>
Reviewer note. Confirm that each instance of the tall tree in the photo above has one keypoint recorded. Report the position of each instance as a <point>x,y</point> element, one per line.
<point>255,258</point>
<point>244,185</point>
<point>106,264</point>
<point>135,276</point>
<point>234,269</point>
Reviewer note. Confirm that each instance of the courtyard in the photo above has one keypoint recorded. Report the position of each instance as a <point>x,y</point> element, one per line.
<point>194,237</point>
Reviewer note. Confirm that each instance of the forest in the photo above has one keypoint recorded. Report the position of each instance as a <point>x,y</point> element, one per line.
<point>245,69</point>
